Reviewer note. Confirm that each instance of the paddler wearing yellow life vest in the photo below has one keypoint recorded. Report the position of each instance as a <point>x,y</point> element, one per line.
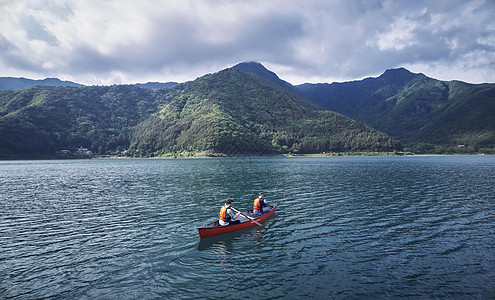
<point>259,203</point>
<point>226,215</point>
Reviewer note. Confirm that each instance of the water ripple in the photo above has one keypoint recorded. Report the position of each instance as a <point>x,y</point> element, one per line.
<point>410,227</point>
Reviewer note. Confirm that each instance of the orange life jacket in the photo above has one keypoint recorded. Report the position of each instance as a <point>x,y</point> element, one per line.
<point>257,204</point>
<point>223,214</point>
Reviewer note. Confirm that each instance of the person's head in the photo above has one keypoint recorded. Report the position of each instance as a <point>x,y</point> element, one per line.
<point>261,195</point>
<point>229,202</point>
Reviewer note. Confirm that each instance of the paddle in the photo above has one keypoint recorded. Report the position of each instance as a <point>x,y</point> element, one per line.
<point>247,217</point>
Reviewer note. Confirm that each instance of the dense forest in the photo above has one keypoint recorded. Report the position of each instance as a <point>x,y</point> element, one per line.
<point>421,112</point>
<point>247,109</point>
<point>39,121</point>
<point>235,112</point>
<point>229,112</point>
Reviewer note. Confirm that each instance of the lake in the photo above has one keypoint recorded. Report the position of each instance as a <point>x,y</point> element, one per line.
<point>345,227</point>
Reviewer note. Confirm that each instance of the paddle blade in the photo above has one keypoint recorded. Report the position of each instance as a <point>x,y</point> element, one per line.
<point>257,223</point>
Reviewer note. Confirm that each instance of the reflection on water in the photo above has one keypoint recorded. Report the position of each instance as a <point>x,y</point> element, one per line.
<point>253,234</point>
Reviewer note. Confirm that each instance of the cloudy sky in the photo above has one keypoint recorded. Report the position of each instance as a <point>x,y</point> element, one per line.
<point>126,41</point>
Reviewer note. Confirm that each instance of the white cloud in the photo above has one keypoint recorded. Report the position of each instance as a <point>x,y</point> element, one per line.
<point>103,42</point>
<point>400,35</point>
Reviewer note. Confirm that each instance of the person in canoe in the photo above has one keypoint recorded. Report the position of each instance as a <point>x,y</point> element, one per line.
<point>259,203</point>
<point>227,217</point>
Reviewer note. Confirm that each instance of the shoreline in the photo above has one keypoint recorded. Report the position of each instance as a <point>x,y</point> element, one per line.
<point>286,155</point>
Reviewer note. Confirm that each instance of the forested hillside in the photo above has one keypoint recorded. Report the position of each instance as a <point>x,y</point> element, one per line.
<point>40,121</point>
<point>248,109</point>
<point>414,108</point>
<point>229,112</point>
<point>235,112</point>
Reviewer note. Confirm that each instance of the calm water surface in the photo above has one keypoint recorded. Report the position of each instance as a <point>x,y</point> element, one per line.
<point>345,227</point>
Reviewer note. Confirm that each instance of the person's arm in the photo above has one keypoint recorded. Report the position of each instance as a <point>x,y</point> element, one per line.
<point>231,214</point>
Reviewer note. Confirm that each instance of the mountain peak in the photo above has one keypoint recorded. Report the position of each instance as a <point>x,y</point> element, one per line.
<point>258,69</point>
<point>400,74</point>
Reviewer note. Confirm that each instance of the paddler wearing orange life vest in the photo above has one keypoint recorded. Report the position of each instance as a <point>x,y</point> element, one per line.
<point>226,215</point>
<point>259,203</point>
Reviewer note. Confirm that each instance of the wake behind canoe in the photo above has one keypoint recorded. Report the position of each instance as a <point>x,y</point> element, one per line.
<point>214,228</point>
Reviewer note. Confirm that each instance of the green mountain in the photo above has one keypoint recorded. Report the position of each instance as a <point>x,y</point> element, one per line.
<point>248,109</point>
<point>231,112</point>
<point>39,121</point>
<point>414,108</point>
<point>235,112</point>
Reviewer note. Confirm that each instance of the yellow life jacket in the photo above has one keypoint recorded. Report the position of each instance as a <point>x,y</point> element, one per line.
<point>257,204</point>
<point>223,214</point>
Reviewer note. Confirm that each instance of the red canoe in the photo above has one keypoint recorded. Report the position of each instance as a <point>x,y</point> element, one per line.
<point>214,228</point>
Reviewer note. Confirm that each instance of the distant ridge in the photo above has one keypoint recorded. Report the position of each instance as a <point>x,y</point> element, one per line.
<point>156,85</point>
<point>19,83</point>
<point>414,108</point>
